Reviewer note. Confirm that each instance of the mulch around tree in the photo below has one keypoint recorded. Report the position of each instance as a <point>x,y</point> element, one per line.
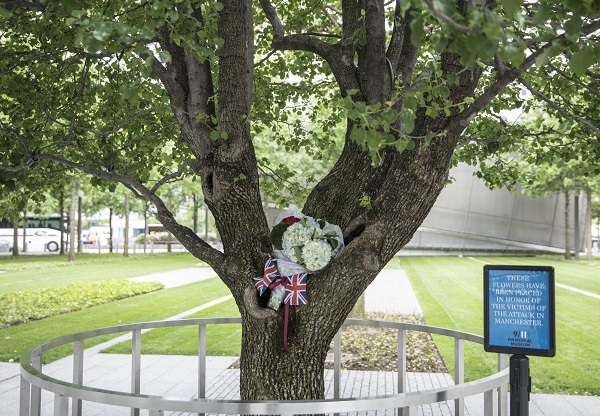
<point>375,349</point>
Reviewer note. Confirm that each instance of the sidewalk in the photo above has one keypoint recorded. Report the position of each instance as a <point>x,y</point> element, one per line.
<point>177,375</point>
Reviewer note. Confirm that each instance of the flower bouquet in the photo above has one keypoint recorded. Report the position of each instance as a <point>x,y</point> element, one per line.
<point>304,241</point>
<point>301,245</point>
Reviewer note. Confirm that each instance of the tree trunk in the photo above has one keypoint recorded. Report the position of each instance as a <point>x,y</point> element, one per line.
<point>402,189</point>
<point>61,208</point>
<point>112,232</point>
<point>15,250</point>
<point>79,224</point>
<point>567,224</point>
<point>169,235</point>
<point>146,229</point>
<point>196,206</point>
<point>126,242</point>
<point>72,219</point>
<point>588,225</point>
<point>24,231</point>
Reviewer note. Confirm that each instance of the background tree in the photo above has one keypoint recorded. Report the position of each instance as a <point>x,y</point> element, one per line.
<point>113,88</point>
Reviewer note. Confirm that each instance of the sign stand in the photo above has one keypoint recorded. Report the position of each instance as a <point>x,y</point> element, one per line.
<point>519,319</point>
<point>520,385</point>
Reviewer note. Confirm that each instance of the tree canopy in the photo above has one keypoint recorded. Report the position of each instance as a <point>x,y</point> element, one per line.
<point>145,92</point>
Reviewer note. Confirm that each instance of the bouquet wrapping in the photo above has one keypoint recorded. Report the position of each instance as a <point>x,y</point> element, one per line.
<point>301,245</point>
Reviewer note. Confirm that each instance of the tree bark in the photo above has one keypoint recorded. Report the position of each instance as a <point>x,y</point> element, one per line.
<point>588,225</point>
<point>567,224</point>
<point>72,219</point>
<point>25,231</point>
<point>15,250</point>
<point>126,242</point>
<point>61,208</point>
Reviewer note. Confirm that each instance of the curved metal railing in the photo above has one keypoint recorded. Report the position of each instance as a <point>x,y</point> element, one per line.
<point>33,380</point>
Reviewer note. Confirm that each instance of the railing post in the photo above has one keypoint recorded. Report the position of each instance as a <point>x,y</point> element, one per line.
<point>502,390</point>
<point>201,362</point>
<point>77,373</point>
<point>35,408</point>
<point>490,403</point>
<point>459,373</point>
<point>136,365</point>
<point>337,363</point>
<point>402,382</point>
<point>24,397</point>
<point>61,405</point>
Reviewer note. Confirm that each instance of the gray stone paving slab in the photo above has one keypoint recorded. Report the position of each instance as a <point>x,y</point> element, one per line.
<point>391,293</point>
<point>178,277</point>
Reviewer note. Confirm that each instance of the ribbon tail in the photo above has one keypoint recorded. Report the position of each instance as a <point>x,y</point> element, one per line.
<point>285,328</point>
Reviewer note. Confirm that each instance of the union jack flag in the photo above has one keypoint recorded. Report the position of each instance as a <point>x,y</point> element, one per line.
<point>295,290</point>
<point>270,275</point>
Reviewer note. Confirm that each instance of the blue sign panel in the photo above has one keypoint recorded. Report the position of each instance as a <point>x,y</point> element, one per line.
<point>519,310</point>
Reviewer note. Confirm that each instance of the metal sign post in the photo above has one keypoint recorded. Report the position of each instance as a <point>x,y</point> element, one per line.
<point>519,319</point>
<point>520,385</point>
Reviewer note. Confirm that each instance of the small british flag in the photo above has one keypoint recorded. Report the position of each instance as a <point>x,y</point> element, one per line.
<point>295,290</point>
<point>269,276</point>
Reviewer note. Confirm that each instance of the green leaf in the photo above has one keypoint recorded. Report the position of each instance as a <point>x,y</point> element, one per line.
<point>573,28</point>
<point>407,117</point>
<point>416,30</point>
<point>5,14</point>
<point>215,134</point>
<point>361,107</point>
<point>276,235</point>
<point>298,253</point>
<point>542,14</point>
<point>580,61</point>
<point>511,6</point>
<point>164,56</point>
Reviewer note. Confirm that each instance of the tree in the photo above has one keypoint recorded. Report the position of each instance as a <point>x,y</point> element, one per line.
<point>113,88</point>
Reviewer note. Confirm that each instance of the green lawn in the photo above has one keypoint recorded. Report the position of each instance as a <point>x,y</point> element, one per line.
<point>450,291</point>
<point>149,307</point>
<point>221,340</point>
<point>29,273</point>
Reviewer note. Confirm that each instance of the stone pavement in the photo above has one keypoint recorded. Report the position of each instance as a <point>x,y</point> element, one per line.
<point>177,375</point>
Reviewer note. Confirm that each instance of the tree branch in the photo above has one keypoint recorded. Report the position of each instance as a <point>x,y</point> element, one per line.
<point>195,245</point>
<point>273,18</point>
<point>559,109</point>
<point>439,15</point>
<point>510,75</point>
<point>31,5</point>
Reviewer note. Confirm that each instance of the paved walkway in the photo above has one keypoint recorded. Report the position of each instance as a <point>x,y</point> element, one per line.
<point>177,375</point>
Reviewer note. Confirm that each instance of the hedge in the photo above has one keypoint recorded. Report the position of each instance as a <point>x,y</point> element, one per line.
<point>20,307</point>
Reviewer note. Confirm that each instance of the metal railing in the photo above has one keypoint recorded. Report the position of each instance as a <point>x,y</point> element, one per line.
<point>33,380</point>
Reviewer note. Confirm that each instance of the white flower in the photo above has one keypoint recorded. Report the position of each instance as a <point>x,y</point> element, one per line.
<point>316,254</point>
<point>295,236</point>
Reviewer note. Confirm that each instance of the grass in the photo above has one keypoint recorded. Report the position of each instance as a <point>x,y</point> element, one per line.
<point>221,340</point>
<point>148,307</point>
<point>30,273</point>
<point>450,291</point>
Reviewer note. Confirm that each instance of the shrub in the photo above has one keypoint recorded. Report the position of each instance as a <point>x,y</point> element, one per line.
<point>20,307</point>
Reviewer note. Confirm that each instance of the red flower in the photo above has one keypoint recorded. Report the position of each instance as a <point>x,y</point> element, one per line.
<point>290,220</point>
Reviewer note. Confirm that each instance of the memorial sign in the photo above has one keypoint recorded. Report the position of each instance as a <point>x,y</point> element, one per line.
<point>519,310</point>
